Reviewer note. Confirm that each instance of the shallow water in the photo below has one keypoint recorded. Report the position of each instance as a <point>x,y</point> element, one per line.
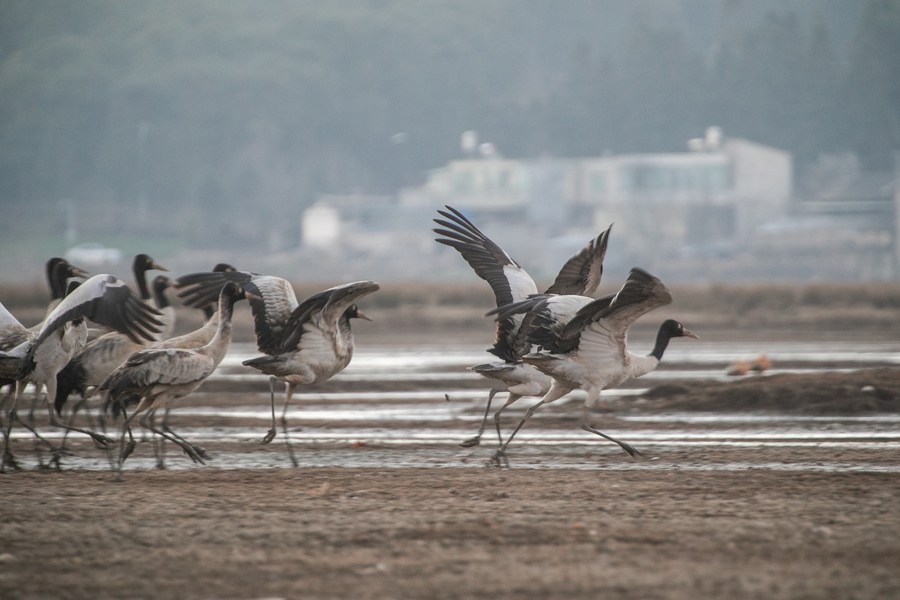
<point>414,426</point>
<point>690,360</point>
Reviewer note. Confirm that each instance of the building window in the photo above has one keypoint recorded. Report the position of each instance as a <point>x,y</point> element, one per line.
<point>710,222</point>
<point>597,183</point>
<point>719,177</point>
<point>503,179</point>
<point>670,178</point>
<point>464,182</point>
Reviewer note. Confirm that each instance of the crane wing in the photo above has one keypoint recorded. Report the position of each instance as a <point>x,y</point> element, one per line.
<point>12,332</point>
<point>581,274</point>
<point>170,367</point>
<point>272,307</point>
<point>108,301</point>
<point>326,307</point>
<point>508,280</point>
<point>606,321</point>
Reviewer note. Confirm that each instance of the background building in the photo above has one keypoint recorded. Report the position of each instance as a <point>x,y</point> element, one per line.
<point>683,212</point>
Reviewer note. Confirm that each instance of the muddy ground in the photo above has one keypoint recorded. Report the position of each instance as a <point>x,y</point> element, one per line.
<point>450,533</point>
<point>478,532</point>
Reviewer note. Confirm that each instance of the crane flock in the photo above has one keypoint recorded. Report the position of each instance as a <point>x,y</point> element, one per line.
<point>546,344</point>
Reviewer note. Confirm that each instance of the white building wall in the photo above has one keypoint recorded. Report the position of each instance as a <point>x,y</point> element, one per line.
<point>763,183</point>
<point>321,227</point>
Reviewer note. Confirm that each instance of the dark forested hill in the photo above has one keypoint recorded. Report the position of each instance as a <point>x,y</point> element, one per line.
<point>253,108</point>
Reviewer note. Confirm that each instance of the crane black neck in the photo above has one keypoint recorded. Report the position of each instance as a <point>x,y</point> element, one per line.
<point>59,278</point>
<point>159,296</point>
<point>140,276</point>
<point>226,306</point>
<point>229,295</point>
<point>56,278</point>
<point>666,332</point>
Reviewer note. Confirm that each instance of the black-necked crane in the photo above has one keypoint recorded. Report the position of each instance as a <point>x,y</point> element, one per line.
<point>12,333</point>
<point>203,334</point>
<point>270,315</point>
<point>193,339</point>
<point>511,283</point>
<point>303,343</point>
<point>57,288</point>
<point>209,309</point>
<point>103,299</point>
<point>582,342</point>
<point>58,271</point>
<point>161,375</point>
<point>101,355</point>
<point>86,370</point>
<point>198,290</point>
<point>139,267</point>
<point>158,288</point>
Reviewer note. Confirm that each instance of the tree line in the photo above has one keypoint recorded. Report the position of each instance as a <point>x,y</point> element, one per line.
<point>241,113</point>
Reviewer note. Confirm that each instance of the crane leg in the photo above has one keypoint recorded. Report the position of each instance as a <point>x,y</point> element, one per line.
<point>512,398</point>
<point>125,449</point>
<point>198,449</point>
<point>100,440</point>
<point>187,447</point>
<point>501,451</point>
<point>289,391</point>
<point>474,441</point>
<point>590,402</point>
<point>7,459</point>
<point>270,435</point>
<point>159,443</point>
<point>555,392</point>
<point>634,452</point>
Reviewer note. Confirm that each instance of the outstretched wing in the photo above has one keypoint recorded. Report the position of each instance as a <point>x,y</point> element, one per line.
<point>108,301</point>
<point>581,274</point>
<point>272,307</point>
<point>12,332</point>
<point>545,317</point>
<point>607,320</point>
<point>509,281</point>
<point>198,290</point>
<point>326,306</point>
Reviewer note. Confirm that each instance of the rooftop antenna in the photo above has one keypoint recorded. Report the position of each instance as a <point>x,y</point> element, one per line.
<point>468,142</point>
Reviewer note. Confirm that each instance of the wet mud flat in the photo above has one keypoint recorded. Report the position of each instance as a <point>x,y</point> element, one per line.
<point>338,532</point>
<point>780,486</point>
<point>565,519</point>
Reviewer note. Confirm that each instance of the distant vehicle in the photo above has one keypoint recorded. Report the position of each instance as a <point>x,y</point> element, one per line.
<point>92,253</point>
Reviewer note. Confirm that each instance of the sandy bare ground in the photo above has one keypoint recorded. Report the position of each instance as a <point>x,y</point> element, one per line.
<point>673,530</point>
<point>676,530</point>
<point>450,533</point>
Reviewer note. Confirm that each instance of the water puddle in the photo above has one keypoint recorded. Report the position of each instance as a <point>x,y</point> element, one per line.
<point>407,423</point>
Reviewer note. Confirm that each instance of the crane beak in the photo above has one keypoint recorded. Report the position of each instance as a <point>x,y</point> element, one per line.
<point>158,267</point>
<point>691,334</point>
<point>361,315</point>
